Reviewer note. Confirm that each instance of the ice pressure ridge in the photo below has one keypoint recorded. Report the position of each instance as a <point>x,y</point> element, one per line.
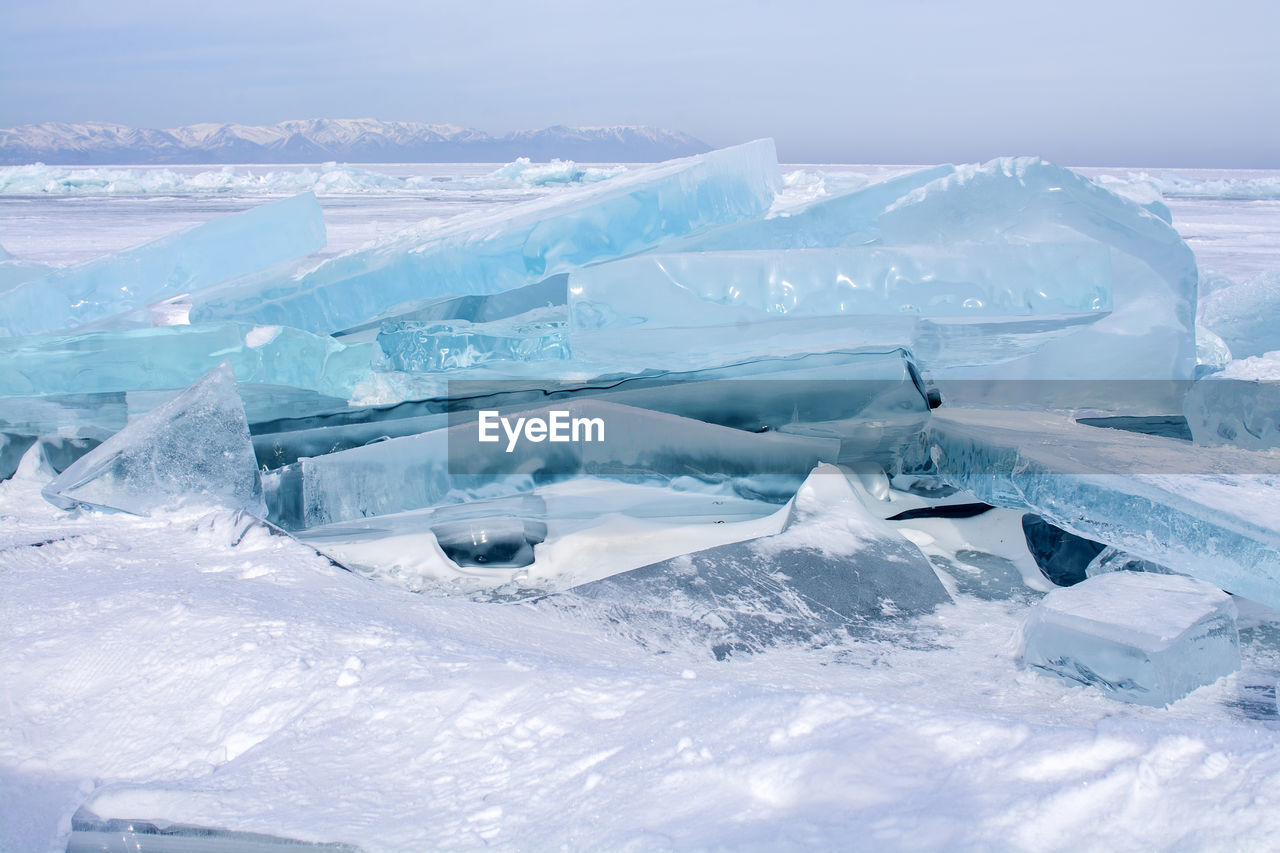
<point>760,368</point>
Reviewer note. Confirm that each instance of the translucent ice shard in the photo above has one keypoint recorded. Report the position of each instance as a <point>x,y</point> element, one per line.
<point>1149,333</point>
<point>415,345</point>
<point>460,464</point>
<point>1239,405</point>
<point>1246,316</point>
<point>1144,638</point>
<point>189,260</point>
<point>519,245</point>
<point>833,568</point>
<point>193,449</point>
<point>474,308</point>
<point>1205,512</point>
<point>954,304</point>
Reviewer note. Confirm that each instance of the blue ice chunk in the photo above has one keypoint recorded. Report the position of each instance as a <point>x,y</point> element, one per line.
<point>1205,512</point>
<point>14,273</point>
<point>194,449</point>
<point>519,245</point>
<point>955,304</point>
<point>416,345</point>
<point>1246,316</point>
<point>1150,331</point>
<point>172,357</point>
<point>1239,405</point>
<point>189,260</point>
<point>457,465</point>
<point>842,220</point>
<point>1144,638</point>
<point>834,569</point>
<point>475,308</point>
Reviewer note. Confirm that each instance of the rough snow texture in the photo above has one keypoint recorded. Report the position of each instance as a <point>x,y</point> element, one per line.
<point>157,670</point>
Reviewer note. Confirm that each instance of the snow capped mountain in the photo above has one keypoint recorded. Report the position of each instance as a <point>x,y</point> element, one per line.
<point>320,140</point>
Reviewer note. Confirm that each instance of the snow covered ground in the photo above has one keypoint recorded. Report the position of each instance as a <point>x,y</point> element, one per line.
<point>184,668</point>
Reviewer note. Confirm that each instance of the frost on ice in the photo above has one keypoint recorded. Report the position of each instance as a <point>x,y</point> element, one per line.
<point>1144,638</point>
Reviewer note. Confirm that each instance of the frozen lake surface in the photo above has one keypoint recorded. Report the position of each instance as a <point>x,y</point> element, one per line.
<point>179,668</point>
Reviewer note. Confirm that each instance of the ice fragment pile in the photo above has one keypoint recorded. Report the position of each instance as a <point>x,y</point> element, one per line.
<point>755,379</point>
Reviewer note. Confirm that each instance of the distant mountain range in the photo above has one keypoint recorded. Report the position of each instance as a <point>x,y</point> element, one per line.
<point>321,140</point>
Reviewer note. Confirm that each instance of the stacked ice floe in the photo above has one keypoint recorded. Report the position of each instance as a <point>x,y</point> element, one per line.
<point>662,392</point>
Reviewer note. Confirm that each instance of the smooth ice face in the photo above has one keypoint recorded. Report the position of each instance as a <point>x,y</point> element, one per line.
<point>1246,316</point>
<point>193,449</point>
<point>424,346</point>
<point>13,273</point>
<point>843,220</point>
<point>1205,512</point>
<point>186,261</point>
<point>519,245</point>
<point>833,568</point>
<point>171,357</point>
<point>926,298</point>
<point>1144,638</point>
<point>1239,405</point>
<point>1150,331</point>
<point>586,437</point>
<point>473,308</point>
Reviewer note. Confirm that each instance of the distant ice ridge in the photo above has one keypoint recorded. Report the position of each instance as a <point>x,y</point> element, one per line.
<point>328,179</point>
<point>1172,185</point>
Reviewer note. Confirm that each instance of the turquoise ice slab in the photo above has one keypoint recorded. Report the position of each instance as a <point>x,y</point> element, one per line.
<point>1149,333</point>
<point>955,304</point>
<point>87,384</point>
<point>199,257</point>
<point>194,448</point>
<point>435,345</point>
<point>847,219</point>
<point>1207,512</point>
<point>172,357</point>
<point>1144,638</point>
<point>516,246</point>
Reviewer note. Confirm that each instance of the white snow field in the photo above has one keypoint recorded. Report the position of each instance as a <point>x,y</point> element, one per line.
<point>194,667</point>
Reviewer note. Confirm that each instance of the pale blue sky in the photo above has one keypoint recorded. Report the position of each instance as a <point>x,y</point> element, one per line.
<point>1084,82</point>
